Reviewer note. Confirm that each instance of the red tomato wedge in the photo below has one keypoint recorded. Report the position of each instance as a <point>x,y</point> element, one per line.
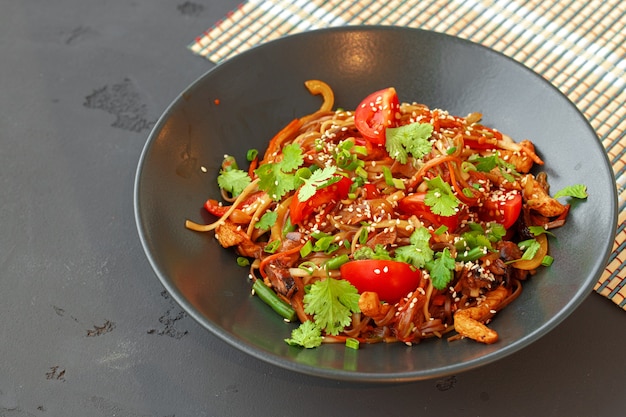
<point>504,210</point>
<point>376,113</point>
<point>414,204</point>
<point>391,280</point>
<point>301,210</point>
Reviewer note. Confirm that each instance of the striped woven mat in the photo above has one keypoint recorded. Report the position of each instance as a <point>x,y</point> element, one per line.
<point>579,46</point>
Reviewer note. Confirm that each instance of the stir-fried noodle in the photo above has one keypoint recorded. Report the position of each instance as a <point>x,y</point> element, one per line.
<point>435,219</point>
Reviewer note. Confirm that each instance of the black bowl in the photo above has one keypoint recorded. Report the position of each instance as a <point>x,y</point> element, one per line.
<point>262,89</point>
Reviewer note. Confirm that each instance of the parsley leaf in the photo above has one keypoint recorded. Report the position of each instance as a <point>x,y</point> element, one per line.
<point>307,335</point>
<point>331,302</point>
<point>277,178</point>
<point>441,269</point>
<point>418,252</point>
<point>408,139</point>
<point>577,191</point>
<point>440,198</point>
<point>320,178</point>
<point>233,181</point>
<point>267,220</point>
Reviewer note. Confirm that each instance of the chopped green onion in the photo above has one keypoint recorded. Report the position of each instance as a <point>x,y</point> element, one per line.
<point>441,229</point>
<point>467,192</point>
<point>303,173</point>
<point>359,181</point>
<point>229,163</point>
<point>361,150</point>
<point>308,266</point>
<point>306,249</point>
<point>363,235</point>
<point>451,150</point>
<point>288,226</point>
<point>362,173</point>
<point>398,183</point>
<point>337,261</point>
<point>242,261</point>
<point>272,247</point>
<point>356,163</point>
<point>468,166</point>
<point>319,234</point>
<point>270,298</point>
<point>251,154</point>
<point>332,248</point>
<point>323,243</point>
<point>547,260</point>
<point>345,145</point>
<point>352,343</point>
<point>388,176</point>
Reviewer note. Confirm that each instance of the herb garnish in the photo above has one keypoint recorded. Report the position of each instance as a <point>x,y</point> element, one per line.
<point>409,139</point>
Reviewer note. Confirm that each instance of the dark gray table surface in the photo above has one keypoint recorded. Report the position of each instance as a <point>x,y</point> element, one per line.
<point>86,328</point>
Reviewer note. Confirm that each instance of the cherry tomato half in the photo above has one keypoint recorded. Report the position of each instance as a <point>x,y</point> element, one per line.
<point>391,280</point>
<point>301,210</point>
<point>414,204</point>
<point>376,113</point>
<point>504,210</point>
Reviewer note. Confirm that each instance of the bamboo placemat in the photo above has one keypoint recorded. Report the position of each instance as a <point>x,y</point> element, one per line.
<point>579,46</point>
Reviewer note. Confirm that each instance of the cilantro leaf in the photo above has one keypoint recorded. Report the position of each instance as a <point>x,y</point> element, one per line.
<point>539,230</point>
<point>440,198</point>
<point>267,220</point>
<point>307,335</point>
<point>577,191</point>
<point>441,269</point>
<point>495,231</point>
<point>292,157</point>
<point>488,163</point>
<point>320,178</point>
<point>274,181</point>
<point>379,252</point>
<point>530,248</point>
<point>233,181</point>
<point>485,163</point>
<point>331,302</point>
<point>408,139</point>
<point>277,178</point>
<point>418,252</point>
